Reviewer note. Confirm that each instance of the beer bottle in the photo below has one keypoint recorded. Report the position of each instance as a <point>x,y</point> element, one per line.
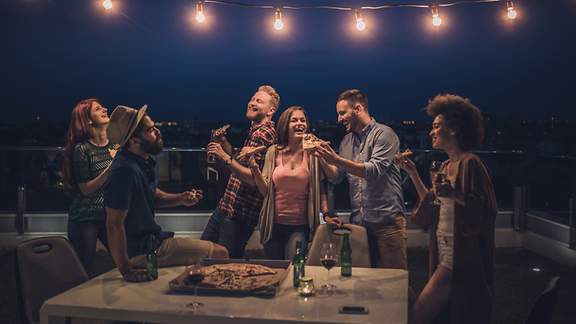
<point>346,257</point>
<point>298,264</point>
<point>152,257</point>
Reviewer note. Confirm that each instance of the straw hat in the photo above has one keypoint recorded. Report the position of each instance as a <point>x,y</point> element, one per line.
<point>123,123</point>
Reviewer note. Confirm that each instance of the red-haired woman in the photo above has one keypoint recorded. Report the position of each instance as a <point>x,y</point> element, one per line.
<point>87,158</point>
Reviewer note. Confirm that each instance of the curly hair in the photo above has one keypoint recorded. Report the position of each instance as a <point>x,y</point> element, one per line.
<point>460,116</point>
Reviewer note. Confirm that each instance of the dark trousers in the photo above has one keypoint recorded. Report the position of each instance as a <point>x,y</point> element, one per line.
<point>282,244</point>
<point>230,232</point>
<point>83,236</point>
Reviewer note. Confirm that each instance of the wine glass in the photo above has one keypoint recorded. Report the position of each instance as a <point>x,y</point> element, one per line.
<point>328,258</point>
<point>195,275</point>
<point>435,167</point>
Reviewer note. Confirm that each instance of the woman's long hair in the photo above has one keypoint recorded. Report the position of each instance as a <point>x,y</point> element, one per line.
<point>78,131</point>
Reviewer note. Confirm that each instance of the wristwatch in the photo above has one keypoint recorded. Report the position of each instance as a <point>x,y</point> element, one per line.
<point>229,161</point>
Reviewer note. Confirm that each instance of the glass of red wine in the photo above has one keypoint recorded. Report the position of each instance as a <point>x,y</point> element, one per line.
<point>435,173</point>
<point>328,258</point>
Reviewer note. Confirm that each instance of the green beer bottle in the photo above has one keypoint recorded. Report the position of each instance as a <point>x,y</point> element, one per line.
<point>346,257</point>
<point>298,264</point>
<point>152,258</point>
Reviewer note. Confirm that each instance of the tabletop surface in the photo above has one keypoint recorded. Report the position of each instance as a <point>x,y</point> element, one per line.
<point>382,291</point>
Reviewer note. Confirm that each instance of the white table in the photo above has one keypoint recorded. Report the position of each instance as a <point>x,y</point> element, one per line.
<point>108,297</point>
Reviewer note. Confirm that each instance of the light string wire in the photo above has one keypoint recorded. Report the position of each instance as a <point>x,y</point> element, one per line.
<point>341,8</point>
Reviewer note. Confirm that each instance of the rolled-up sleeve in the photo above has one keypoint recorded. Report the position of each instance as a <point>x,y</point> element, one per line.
<point>339,173</point>
<point>386,145</point>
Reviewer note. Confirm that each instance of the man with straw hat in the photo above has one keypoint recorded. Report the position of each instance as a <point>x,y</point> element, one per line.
<point>132,193</point>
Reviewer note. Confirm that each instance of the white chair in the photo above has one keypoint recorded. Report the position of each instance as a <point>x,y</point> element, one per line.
<point>358,242</point>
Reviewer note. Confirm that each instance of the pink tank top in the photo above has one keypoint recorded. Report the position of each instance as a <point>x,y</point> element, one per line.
<point>291,192</point>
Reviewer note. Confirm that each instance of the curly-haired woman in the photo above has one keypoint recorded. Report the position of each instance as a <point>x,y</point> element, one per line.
<point>461,250</point>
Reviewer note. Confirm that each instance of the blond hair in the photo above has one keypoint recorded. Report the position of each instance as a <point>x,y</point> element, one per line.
<point>272,93</point>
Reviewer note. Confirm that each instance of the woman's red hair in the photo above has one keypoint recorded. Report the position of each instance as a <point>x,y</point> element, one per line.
<point>78,131</point>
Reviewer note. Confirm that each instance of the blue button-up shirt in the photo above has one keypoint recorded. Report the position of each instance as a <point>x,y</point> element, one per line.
<point>378,198</point>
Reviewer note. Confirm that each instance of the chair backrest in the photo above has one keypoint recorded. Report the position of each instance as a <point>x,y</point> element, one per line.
<point>47,267</point>
<point>542,310</point>
<point>358,242</point>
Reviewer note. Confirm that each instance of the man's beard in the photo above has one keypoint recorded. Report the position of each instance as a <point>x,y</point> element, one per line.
<point>153,148</point>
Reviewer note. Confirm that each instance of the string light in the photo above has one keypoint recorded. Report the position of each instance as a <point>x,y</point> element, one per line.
<point>107,4</point>
<point>512,14</point>
<point>200,17</point>
<point>278,24</point>
<point>436,20</point>
<point>360,24</point>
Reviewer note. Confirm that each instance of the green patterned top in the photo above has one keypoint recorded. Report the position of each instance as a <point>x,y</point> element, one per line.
<point>88,162</point>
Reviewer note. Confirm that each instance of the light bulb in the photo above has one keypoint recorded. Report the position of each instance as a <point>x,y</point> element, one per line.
<point>360,23</point>
<point>278,24</point>
<point>512,14</point>
<point>436,20</point>
<point>107,4</point>
<point>200,17</point>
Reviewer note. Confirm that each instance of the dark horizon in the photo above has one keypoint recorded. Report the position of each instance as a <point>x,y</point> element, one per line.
<point>59,52</point>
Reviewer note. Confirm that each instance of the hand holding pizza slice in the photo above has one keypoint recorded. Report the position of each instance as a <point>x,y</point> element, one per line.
<point>248,151</point>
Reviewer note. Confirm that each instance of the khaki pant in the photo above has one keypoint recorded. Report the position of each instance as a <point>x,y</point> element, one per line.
<point>177,251</point>
<point>388,244</point>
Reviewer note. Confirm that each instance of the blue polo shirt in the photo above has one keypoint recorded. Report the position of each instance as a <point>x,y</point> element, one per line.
<point>130,186</point>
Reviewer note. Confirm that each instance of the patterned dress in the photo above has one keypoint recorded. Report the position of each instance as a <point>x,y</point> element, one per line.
<point>89,161</point>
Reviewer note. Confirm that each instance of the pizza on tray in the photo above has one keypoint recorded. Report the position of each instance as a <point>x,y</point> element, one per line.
<point>236,276</point>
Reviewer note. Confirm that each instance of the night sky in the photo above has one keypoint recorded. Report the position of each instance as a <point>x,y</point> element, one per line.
<point>56,52</point>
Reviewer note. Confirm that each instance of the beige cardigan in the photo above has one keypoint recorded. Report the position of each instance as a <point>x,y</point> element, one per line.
<point>266,221</point>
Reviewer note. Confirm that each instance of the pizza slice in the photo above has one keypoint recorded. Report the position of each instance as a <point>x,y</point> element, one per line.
<point>220,131</point>
<point>310,141</point>
<point>251,270</point>
<point>247,151</point>
<point>402,156</point>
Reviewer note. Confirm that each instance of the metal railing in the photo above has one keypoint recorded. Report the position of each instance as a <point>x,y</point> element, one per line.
<point>31,176</point>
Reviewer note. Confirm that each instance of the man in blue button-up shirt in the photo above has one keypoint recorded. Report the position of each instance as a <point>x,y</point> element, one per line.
<point>367,160</point>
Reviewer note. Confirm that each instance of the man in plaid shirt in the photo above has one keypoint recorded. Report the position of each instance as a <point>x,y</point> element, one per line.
<point>237,213</point>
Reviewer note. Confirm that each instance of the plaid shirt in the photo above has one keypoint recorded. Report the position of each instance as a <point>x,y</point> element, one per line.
<point>240,199</point>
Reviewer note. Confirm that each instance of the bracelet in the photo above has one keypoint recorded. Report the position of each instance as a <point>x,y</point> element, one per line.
<point>229,161</point>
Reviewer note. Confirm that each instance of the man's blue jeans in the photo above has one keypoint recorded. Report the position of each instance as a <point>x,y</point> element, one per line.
<point>232,233</point>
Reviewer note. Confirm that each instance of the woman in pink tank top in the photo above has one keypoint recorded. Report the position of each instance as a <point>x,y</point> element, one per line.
<point>293,187</point>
